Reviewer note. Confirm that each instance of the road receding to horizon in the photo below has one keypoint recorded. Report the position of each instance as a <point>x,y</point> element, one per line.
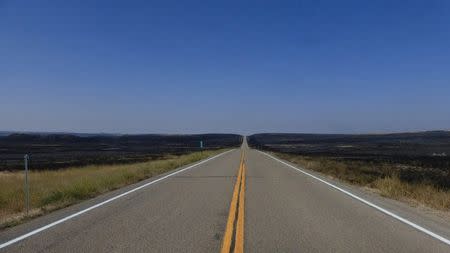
<point>285,211</point>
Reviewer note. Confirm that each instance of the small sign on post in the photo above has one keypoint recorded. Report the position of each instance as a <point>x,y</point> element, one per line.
<point>201,144</point>
<point>27,189</point>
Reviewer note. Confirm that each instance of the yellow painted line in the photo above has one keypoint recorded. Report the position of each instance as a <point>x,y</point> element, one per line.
<point>228,237</point>
<point>239,239</point>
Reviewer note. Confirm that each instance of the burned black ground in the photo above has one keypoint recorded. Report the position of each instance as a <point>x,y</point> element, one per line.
<point>55,151</point>
<point>421,157</point>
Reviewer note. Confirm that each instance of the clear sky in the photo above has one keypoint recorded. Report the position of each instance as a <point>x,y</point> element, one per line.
<point>235,66</point>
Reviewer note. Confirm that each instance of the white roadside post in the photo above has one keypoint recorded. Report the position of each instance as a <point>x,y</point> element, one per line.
<point>27,190</point>
<point>201,147</point>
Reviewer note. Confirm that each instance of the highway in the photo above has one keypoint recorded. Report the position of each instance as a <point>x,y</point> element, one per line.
<point>240,201</point>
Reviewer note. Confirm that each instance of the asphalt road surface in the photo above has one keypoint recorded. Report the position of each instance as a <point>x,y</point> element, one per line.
<point>279,209</point>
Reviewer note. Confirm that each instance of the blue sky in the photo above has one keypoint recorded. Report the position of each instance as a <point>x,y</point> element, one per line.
<point>235,66</point>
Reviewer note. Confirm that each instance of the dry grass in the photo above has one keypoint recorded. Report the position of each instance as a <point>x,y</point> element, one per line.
<point>54,189</point>
<point>377,176</point>
<point>425,194</point>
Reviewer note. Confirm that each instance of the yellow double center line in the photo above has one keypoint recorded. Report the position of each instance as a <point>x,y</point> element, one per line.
<point>233,240</point>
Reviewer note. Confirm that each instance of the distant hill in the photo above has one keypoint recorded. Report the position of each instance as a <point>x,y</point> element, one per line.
<point>6,133</point>
<point>145,139</point>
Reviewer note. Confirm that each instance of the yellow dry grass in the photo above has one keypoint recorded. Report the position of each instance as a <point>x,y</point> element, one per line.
<point>54,189</point>
<point>371,175</point>
<point>425,194</point>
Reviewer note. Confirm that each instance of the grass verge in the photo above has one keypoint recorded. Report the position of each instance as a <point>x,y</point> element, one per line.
<point>50,190</point>
<point>382,177</point>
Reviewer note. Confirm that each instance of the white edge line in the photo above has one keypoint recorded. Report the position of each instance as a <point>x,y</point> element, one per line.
<point>393,215</point>
<point>22,237</point>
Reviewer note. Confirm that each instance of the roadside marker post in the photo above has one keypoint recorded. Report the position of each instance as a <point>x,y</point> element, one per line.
<point>27,189</point>
<point>201,144</point>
